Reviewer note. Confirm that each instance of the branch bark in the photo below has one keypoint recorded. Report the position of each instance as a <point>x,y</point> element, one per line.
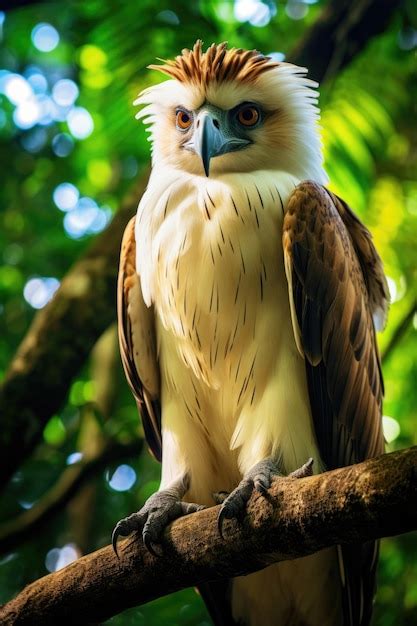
<point>300,516</point>
<point>62,335</point>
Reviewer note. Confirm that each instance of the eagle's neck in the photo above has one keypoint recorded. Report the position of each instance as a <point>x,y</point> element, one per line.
<point>180,212</point>
<point>209,258</point>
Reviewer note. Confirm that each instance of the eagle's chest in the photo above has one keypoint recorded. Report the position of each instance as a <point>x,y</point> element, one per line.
<point>217,277</point>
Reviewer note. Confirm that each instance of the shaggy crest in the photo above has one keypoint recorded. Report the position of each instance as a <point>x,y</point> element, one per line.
<point>216,64</point>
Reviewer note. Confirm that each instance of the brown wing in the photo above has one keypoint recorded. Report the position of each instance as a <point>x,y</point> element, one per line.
<point>137,342</point>
<point>138,351</point>
<point>336,284</point>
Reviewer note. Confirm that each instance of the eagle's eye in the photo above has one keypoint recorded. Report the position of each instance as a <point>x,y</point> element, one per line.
<point>183,119</point>
<point>248,115</point>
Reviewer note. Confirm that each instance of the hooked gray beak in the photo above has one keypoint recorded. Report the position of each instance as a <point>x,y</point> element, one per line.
<point>210,141</point>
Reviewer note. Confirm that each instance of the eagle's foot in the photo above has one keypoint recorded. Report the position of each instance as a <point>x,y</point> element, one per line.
<point>260,478</point>
<point>159,510</point>
<point>220,496</point>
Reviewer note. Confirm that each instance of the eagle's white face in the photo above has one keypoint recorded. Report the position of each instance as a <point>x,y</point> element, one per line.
<point>237,126</point>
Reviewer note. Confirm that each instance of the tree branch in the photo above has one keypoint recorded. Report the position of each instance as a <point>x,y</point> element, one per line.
<point>16,530</point>
<point>300,516</point>
<point>343,29</point>
<point>59,341</point>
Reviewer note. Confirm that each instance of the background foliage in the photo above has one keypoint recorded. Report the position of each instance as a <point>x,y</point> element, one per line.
<point>70,149</point>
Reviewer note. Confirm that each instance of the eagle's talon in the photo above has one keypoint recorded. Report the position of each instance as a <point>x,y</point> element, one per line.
<point>223,515</point>
<point>261,487</point>
<point>260,478</point>
<point>220,496</point>
<point>115,535</point>
<point>125,526</point>
<point>235,503</point>
<point>151,545</point>
<point>162,508</point>
<point>304,471</point>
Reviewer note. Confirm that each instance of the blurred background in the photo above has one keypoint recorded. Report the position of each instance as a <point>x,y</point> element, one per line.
<point>70,153</point>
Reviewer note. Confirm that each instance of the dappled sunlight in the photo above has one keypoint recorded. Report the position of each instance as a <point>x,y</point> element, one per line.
<point>74,457</point>
<point>66,196</point>
<point>122,479</point>
<point>45,37</point>
<point>255,12</point>
<point>80,122</point>
<point>391,428</point>
<point>57,558</point>
<point>39,291</point>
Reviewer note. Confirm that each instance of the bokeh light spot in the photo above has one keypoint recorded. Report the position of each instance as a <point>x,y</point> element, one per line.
<point>39,291</point>
<point>57,558</point>
<point>52,559</point>
<point>36,80</point>
<point>75,457</point>
<point>65,92</point>
<point>62,144</point>
<point>34,140</point>
<point>66,196</point>
<point>397,289</point>
<point>76,395</point>
<point>407,38</point>
<point>169,17</point>
<point>92,57</point>
<point>27,114</point>
<point>26,504</point>
<point>277,56</point>
<point>80,123</point>
<point>296,10</point>
<point>255,12</point>
<point>87,218</point>
<point>100,172</point>
<point>123,478</point>
<point>54,432</point>
<point>16,88</point>
<point>11,278</point>
<point>51,111</point>
<point>391,428</point>
<point>45,37</point>
<point>392,286</point>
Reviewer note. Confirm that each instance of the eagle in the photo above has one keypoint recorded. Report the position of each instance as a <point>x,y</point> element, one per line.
<point>249,296</point>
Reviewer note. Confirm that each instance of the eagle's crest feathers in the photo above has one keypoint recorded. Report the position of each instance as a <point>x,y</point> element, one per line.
<point>217,64</point>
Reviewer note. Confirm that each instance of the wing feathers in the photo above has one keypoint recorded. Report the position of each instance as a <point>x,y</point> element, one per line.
<point>333,304</point>
<point>137,342</point>
<point>370,262</point>
<point>336,285</point>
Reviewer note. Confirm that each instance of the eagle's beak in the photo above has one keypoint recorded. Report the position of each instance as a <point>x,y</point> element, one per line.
<point>210,141</point>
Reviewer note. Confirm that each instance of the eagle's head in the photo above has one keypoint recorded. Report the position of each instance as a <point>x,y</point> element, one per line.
<point>232,110</point>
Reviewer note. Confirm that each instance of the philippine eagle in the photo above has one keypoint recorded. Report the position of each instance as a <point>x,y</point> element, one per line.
<point>249,295</point>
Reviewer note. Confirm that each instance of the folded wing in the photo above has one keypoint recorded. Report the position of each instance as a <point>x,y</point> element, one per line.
<point>137,341</point>
<point>337,288</point>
